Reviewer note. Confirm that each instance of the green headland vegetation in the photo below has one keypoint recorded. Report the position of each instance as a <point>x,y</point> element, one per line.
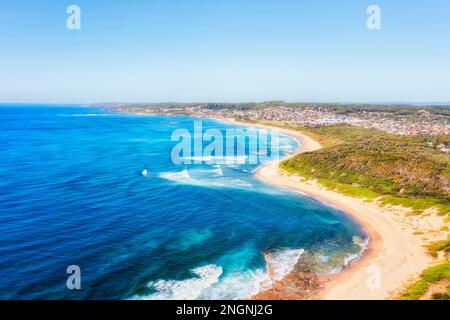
<point>409,171</point>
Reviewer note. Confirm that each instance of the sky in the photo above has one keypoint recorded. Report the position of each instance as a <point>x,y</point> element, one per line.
<point>224,51</point>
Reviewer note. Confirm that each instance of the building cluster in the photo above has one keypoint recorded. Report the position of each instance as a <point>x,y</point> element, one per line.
<point>315,116</point>
<point>423,123</point>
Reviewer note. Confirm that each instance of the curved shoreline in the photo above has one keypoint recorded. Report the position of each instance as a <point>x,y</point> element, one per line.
<point>393,254</point>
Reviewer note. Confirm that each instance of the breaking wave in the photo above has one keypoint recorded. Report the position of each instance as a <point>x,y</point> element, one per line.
<point>211,283</point>
<point>355,256</point>
<point>184,177</point>
<point>281,262</point>
<point>189,289</point>
<point>219,159</point>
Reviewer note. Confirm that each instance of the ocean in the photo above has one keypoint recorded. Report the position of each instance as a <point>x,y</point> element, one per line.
<point>99,190</point>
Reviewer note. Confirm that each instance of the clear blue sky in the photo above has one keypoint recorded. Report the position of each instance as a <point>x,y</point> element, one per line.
<point>224,50</point>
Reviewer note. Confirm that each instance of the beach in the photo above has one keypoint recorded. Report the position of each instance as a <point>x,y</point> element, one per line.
<point>394,255</point>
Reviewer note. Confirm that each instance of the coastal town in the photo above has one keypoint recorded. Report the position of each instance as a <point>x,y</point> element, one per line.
<point>409,120</point>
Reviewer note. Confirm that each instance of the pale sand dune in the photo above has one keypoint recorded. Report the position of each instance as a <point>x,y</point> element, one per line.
<point>393,253</point>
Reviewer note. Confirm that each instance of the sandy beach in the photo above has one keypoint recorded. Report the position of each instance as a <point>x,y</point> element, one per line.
<point>394,255</point>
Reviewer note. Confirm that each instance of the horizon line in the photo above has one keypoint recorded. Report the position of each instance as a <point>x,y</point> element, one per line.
<point>386,103</point>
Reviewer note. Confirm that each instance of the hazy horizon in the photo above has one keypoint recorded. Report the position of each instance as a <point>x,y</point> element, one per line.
<point>386,103</point>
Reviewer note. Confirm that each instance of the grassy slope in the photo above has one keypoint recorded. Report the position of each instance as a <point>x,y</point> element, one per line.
<point>403,170</point>
<point>439,246</point>
<point>430,276</point>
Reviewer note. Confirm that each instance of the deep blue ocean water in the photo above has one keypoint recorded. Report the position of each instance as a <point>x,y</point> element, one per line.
<point>72,193</point>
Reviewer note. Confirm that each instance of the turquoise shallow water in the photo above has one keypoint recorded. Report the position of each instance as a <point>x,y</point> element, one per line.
<point>72,193</point>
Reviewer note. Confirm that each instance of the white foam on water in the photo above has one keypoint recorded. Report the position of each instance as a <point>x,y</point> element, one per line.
<point>245,284</point>
<point>365,244</point>
<point>185,174</point>
<point>352,257</point>
<point>218,159</point>
<point>219,171</point>
<point>188,289</point>
<point>184,177</point>
<point>199,158</point>
<point>209,281</point>
<point>349,258</point>
<point>179,176</point>
<point>282,262</point>
<point>238,286</point>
